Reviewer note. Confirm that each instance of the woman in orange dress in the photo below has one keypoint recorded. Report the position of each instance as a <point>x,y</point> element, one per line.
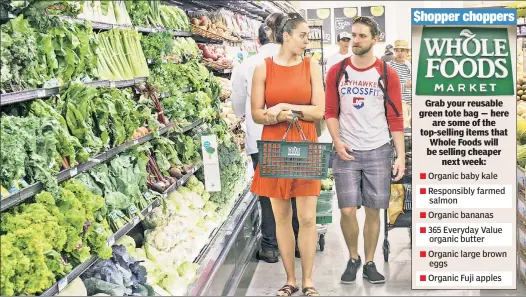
<point>284,83</point>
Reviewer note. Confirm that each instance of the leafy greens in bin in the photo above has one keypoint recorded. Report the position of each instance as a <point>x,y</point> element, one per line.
<point>122,182</point>
<point>41,242</point>
<point>32,146</point>
<point>48,53</point>
<point>121,275</point>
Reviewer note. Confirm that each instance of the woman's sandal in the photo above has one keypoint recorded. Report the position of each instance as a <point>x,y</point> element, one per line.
<point>310,291</point>
<point>288,290</point>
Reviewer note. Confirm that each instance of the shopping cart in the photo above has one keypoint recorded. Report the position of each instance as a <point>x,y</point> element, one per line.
<point>404,220</point>
<point>323,215</point>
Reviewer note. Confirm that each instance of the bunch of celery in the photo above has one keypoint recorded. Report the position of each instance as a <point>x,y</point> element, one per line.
<point>120,55</point>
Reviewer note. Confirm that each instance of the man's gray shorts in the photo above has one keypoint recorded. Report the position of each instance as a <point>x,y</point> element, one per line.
<point>367,178</point>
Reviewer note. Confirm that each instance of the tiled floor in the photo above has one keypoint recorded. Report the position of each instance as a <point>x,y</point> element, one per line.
<point>329,265</point>
<point>262,279</point>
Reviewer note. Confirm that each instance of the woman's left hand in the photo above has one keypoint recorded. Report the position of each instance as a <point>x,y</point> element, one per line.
<point>290,115</point>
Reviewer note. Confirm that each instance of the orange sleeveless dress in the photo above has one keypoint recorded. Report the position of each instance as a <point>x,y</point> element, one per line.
<point>292,85</point>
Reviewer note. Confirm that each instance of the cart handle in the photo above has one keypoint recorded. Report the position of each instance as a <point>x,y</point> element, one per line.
<point>298,126</point>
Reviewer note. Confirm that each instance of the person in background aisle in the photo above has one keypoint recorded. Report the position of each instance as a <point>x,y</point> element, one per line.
<point>241,88</point>
<point>360,118</point>
<point>344,40</point>
<point>284,83</point>
<point>403,68</point>
<point>388,55</point>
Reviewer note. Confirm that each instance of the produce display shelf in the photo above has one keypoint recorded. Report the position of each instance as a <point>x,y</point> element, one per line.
<point>35,188</point>
<point>164,61</point>
<point>182,180</point>
<point>221,71</point>
<point>76,272</point>
<point>202,39</point>
<point>106,26</point>
<point>183,90</point>
<point>26,95</point>
<point>215,232</point>
<point>80,269</point>
<point>214,277</point>
<point>155,30</point>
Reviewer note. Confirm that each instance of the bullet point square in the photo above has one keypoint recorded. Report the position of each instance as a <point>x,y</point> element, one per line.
<point>422,215</point>
<point>422,254</point>
<point>422,278</point>
<point>423,191</point>
<point>422,229</point>
<point>422,176</point>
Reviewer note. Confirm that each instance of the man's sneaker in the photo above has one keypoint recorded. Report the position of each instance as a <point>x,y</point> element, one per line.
<point>371,274</point>
<point>349,276</point>
<point>268,256</point>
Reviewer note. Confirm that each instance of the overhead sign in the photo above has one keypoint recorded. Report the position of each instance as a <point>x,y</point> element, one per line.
<point>378,14</point>
<point>343,19</point>
<point>324,15</point>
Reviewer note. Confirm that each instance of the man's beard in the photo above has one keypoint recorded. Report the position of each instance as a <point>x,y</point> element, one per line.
<point>361,51</point>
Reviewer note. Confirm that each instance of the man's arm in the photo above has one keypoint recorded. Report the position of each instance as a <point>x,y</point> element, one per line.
<point>239,90</point>
<point>332,107</point>
<point>396,122</point>
<point>332,111</point>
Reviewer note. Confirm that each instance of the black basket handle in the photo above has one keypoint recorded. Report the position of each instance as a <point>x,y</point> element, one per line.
<point>298,126</point>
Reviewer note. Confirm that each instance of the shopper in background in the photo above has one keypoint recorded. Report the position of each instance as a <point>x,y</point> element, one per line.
<point>389,54</point>
<point>283,83</point>
<point>359,119</point>
<point>403,68</point>
<point>241,88</point>
<point>344,40</point>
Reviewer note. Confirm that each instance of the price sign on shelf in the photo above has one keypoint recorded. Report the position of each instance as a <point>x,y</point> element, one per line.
<point>41,93</point>
<point>73,172</point>
<point>111,241</point>
<point>210,163</point>
<point>61,285</point>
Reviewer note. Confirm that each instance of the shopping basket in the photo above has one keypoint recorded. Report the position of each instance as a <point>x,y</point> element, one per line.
<point>294,159</point>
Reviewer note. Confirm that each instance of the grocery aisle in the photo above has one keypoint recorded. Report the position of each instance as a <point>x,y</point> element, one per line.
<point>263,279</point>
<point>330,264</point>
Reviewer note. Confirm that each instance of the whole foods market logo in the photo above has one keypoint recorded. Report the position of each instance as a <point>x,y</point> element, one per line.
<point>465,61</point>
<point>294,151</point>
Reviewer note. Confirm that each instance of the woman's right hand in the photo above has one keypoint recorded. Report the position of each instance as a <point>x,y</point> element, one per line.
<point>273,114</point>
<point>343,150</point>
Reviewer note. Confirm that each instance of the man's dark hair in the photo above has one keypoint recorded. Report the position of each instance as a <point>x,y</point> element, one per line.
<point>262,35</point>
<point>285,23</point>
<point>369,22</point>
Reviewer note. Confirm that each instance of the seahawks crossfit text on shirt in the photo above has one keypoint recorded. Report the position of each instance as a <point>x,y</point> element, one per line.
<point>361,112</point>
